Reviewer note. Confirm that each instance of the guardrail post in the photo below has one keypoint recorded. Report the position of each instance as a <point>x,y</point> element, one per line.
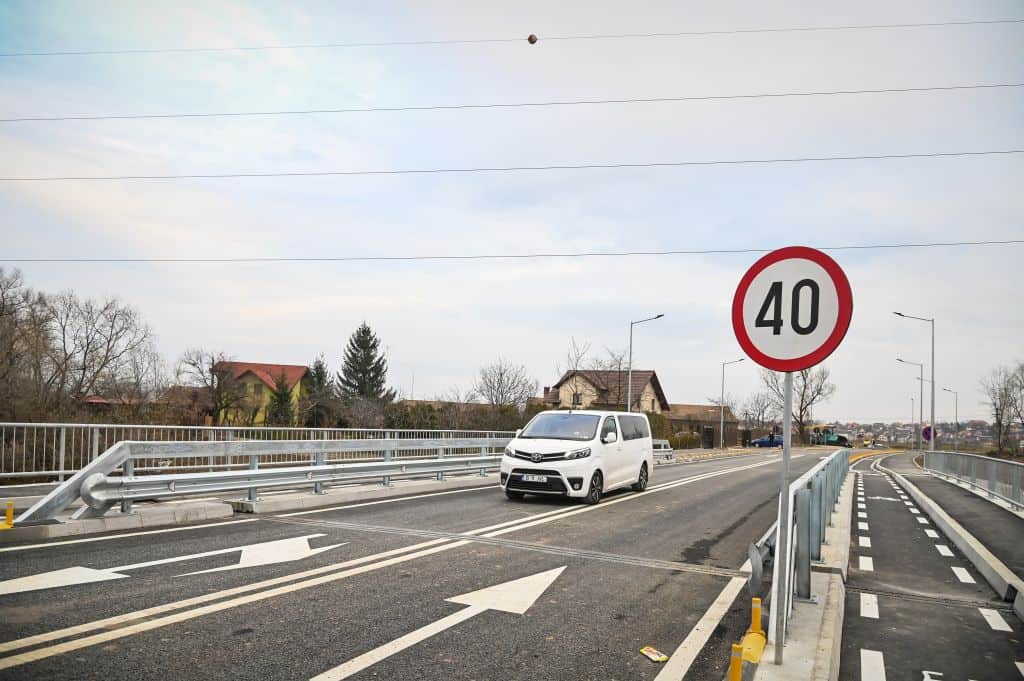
<point>254,464</point>
<point>803,543</point>
<point>817,527</point>
<point>440,457</point>
<point>388,455</point>
<point>95,443</point>
<point>483,471</point>
<point>128,471</point>
<point>60,460</point>
<point>319,459</point>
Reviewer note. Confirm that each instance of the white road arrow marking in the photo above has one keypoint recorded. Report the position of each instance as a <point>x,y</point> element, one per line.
<point>265,553</point>
<point>515,597</point>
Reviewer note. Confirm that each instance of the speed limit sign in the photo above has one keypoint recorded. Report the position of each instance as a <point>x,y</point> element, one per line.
<point>792,308</point>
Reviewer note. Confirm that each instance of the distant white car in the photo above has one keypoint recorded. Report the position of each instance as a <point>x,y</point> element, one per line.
<point>581,454</point>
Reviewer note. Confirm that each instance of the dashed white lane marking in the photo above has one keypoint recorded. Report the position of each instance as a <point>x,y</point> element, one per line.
<point>866,564</point>
<point>963,575</point>
<point>943,550</point>
<point>994,619</point>
<point>862,514</point>
<point>932,533</point>
<point>862,526</point>
<point>907,503</point>
<point>862,507</point>
<point>872,665</point>
<point>923,521</point>
<point>865,542</point>
<point>914,510</point>
<point>869,605</point>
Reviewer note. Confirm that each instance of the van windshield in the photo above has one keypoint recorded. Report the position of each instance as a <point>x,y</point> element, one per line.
<point>561,427</point>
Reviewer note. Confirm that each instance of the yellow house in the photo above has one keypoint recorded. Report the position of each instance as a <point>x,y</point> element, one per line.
<point>252,385</point>
<point>607,390</point>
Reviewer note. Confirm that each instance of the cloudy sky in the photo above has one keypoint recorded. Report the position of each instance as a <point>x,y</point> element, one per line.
<point>442,320</point>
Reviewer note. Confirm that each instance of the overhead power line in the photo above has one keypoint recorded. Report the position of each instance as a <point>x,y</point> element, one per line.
<point>479,41</point>
<point>509,105</point>
<point>506,169</point>
<point>509,256</point>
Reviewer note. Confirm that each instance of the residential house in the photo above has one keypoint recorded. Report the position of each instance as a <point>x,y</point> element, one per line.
<point>594,389</point>
<point>254,384</point>
<point>694,418</point>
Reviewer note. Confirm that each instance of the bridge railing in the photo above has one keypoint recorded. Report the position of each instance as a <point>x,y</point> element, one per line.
<point>996,478</point>
<point>54,451</point>
<point>112,478</point>
<point>812,500</point>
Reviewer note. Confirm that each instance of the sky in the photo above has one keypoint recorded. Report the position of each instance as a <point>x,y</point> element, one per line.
<point>440,321</point>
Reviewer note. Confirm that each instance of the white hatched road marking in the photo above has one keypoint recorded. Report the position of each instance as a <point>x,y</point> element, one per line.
<point>872,665</point>
<point>932,533</point>
<point>869,605</point>
<point>866,564</point>
<point>963,575</point>
<point>943,550</point>
<point>862,526</point>
<point>864,541</point>
<point>994,619</point>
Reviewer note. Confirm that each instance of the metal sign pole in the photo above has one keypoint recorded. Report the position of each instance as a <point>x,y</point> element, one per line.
<point>781,604</point>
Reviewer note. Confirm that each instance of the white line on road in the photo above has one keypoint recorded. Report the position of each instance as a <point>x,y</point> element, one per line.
<point>126,534</point>
<point>866,564</point>
<point>943,550</point>
<point>932,533</point>
<point>862,526</point>
<point>861,507</point>
<point>872,665</point>
<point>994,619</point>
<point>862,514</point>
<point>914,511</point>
<point>963,575</point>
<point>869,605</point>
<point>923,521</point>
<point>1020,668</point>
<point>412,497</point>
<point>864,541</point>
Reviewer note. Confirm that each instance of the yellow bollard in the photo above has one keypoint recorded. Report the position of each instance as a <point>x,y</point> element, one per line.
<point>755,617</point>
<point>736,663</point>
<point>9,519</point>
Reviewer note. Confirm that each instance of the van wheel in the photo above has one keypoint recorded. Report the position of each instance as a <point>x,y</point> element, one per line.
<point>641,482</point>
<point>594,493</point>
<point>514,496</point>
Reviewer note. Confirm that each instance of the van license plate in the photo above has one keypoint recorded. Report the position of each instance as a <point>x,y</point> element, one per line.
<point>535,478</point>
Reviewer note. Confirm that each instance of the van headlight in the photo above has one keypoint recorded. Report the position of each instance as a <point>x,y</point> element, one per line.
<point>579,453</point>
<point>508,451</point>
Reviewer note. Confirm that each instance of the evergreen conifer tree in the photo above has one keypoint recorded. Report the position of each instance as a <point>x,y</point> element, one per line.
<point>319,404</point>
<point>364,368</point>
<point>280,411</point>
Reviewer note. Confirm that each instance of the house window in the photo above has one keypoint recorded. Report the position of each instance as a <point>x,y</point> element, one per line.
<point>577,399</point>
<point>257,391</point>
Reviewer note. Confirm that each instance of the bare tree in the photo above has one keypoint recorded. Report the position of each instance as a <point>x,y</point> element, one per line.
<point>136,386</point>
<point>503,383</point>
<point>758,407</point>
<point>1017,394</point>
<point>196,368</point>
<point>575,361</point>
<point>810,387</point>
<point>455,405</point>
<point>999,396</point>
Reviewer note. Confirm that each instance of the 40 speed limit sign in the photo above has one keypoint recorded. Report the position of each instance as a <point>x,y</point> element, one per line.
<point>792,308</point>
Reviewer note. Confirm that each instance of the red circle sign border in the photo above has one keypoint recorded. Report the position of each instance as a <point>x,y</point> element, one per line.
<point>843,290</point>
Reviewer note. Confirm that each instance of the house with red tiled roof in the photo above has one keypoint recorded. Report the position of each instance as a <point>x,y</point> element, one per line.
<point>595,389</point>
<point>255,383</point>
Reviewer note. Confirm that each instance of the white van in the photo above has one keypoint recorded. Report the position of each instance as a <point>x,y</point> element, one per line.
<point>578,454</point>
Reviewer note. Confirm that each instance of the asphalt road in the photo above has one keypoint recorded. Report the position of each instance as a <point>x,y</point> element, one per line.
<point>915,607</point>
<point>636,570</point>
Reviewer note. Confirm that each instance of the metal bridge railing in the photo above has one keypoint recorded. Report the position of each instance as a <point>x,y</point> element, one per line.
<point>995,478</point>
<point>112,478</point>
<point>55,451</point>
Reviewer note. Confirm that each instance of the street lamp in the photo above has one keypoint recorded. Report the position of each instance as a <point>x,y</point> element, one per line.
<point>629,379</point>
<point>956,417</point>
<point>931,441</point>
<point>920,404</point>
<point>721,403</point>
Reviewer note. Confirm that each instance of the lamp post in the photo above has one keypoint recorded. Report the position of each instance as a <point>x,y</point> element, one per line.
<point>629,379</point>
<point>911,417</point>
<point>920,404</point>
<point>721,404</point>
<point>956,417</point>
<point>931,441</point>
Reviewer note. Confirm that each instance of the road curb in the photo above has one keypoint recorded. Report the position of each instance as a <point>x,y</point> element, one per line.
<point>1006,584</point>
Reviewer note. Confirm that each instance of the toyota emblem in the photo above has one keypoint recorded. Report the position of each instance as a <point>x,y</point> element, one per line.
<point>536,457</point>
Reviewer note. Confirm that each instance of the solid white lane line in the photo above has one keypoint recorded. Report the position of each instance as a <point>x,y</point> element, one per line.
<point>994,619</point>
<point>865,542</point>
<point>932,533</point>
<point>943,550</point>
<point>866,564</point>
<point>412,497</point>
<point>872,665</point>
<point>869,605</point>
<point>126,534</point>
<point>963,575</point>
<point>862,526</point>
<point>923,521</point>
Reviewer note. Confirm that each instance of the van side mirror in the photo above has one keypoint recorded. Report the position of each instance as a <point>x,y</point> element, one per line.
<point>610,438</point>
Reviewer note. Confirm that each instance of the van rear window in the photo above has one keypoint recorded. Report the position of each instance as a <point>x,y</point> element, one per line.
<point>634,427</point>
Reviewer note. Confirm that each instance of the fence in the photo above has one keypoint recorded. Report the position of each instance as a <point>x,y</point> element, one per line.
<point>53,451</point>
<point>996,478</point>
<point>812,499</point>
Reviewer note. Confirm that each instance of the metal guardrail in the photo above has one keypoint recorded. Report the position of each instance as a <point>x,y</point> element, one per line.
<point>57,450</point>
<point>111,477</point>
<point>995,478</point>
<point>664,449</point>
<point>812,499</point>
